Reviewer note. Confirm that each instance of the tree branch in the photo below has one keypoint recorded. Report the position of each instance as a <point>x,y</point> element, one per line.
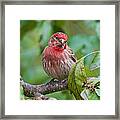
<point>36,90</point>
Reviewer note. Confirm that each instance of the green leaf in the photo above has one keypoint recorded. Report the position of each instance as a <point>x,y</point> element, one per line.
<point>94,80</point>
<point>89,95</point>
<point>86,69</point>
<point>73,84</point>
<point>97,91</point>
<point>92,64</point>
<point>93,96</point>
<point>85,94</point>
<point>80,70</point>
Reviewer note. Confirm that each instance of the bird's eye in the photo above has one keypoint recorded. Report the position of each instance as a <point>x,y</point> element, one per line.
<point>56,37</point>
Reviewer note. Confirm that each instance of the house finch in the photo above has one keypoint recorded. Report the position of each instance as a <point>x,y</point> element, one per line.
<point>57,57</point>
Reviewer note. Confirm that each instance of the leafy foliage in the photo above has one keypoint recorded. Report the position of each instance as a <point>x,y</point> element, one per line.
<point>83,80</point>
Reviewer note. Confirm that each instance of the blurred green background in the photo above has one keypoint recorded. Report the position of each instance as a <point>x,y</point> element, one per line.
<point>84,37</point>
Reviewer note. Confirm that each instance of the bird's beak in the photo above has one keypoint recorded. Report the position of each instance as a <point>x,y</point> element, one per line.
<point>63,41</point>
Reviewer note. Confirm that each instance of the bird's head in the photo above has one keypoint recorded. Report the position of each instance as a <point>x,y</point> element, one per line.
<point>58,40</point>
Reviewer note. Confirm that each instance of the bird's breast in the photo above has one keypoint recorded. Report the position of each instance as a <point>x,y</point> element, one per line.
<point>57,63</point>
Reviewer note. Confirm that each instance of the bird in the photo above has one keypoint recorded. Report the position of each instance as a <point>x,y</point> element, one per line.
<point>58,58</point>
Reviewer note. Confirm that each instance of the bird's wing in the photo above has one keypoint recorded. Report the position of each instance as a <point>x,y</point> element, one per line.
<point>72,55</point>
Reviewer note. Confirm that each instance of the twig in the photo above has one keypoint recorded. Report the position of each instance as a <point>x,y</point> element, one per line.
<point>34,90</point>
